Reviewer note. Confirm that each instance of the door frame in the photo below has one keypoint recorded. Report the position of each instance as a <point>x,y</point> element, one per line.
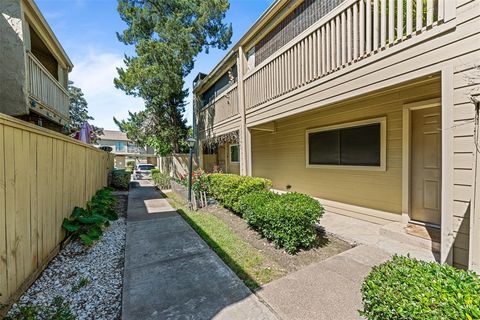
<point>406,158</point>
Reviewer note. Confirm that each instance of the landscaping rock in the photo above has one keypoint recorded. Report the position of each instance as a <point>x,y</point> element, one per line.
<point>88,279</point>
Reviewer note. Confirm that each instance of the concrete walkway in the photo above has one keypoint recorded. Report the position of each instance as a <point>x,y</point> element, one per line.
<point>171,273</point>
<point>330,290</point>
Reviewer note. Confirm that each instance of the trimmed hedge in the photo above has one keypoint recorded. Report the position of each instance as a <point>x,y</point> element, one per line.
<point>120,179</point>
<point>286,219</point>
<point>405,288</point>
<point>228,188</point>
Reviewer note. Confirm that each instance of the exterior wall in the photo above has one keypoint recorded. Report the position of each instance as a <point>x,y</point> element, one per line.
<point>43,176</point>
<point>450,49</point>
<point>281,155</point>
<point>13,99</point>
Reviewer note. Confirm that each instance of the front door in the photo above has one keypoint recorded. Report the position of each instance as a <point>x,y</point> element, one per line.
<point>426,162</point>
<point>221,158</point>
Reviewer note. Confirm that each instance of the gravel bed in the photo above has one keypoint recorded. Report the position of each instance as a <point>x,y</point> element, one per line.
<point>88,279</point>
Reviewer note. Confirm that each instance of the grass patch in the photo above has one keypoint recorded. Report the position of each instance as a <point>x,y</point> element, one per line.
<point>246,261</point>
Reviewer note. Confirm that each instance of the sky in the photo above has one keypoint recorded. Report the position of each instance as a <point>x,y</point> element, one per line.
<point>87,31</point>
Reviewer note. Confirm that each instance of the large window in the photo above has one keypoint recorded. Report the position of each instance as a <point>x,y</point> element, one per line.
<point>234,153</point>
<point>358,144</point>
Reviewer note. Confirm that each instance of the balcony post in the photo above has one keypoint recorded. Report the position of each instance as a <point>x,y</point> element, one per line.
<point>244,149</point>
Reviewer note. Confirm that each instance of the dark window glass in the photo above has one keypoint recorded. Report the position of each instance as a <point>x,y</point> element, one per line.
<point>356,146</point>
<point>234,154</point>
<point>324,148</point>
<point>360,146</point>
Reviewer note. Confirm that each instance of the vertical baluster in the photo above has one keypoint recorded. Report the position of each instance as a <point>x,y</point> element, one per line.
<point>338,41</point>
<point>282,73</point>
<point>362,28</point>
<point>349,35</point>
<point>278,81</point>
<point>368,26</point>
<point>391,22</point>
<point>419,10</point>
<point>355,31</point>
<point>440,9</point>
<point>409,17</point>
<point>323,47</point>
<point>343,37</point>
<point>376,30</point>
<point>328,53</point>
<point>429,12</point>
<point>399,19</point>
<point>295,69</point>
<point>383,28</point>
<point>315,54</point>
<point>303,72</point>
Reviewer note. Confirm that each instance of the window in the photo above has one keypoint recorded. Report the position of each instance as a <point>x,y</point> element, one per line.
<point>119,146</point>
<point>353,145</point>
<point>234,153</point>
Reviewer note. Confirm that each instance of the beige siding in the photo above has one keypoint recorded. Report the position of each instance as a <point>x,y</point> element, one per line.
<point>302,85</point>
<point>43,176</point>
<point>280,156</point>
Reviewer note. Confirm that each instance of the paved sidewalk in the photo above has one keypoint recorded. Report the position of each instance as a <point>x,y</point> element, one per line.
<point>170,273</point>
<point>330,290</point>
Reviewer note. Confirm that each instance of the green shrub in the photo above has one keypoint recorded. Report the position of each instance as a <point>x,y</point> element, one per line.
<point>405,288</point>
<point>286,219</point>
<point>121,179</point>
<point>88,224</point>
<point>228,188</point>
<point>131,164</point>
<point>162,180</point>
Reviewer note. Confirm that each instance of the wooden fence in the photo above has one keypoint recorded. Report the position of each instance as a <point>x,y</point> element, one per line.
<point>43,176</point>
<point>176,165</point>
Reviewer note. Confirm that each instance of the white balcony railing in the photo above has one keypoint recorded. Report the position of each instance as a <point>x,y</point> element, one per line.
<point>353,31</point>
<point>45,89</point>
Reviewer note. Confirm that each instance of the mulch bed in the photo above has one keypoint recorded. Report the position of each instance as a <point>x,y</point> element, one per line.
<point>326,246</point>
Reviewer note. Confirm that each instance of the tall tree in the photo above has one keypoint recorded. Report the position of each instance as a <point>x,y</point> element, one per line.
<point>78,111</point>
<point>167,35</point>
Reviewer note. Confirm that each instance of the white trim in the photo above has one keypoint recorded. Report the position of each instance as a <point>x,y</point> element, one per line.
<point>447,236</point>
<point>383,145</point>
<point>406,146</point>
<point>230,153</point>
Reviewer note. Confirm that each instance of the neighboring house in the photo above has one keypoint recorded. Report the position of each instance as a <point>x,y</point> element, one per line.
<point>34,67</point>
<point>362,104</point>
<point>124,149</point>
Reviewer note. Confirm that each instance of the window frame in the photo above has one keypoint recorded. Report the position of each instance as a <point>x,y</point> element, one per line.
<point>383,144</point>
<point>230,153</point>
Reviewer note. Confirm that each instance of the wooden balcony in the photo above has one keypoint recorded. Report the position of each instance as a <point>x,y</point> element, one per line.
<point>223,108</point>
<point>355,30</point>
<point>45,89</point>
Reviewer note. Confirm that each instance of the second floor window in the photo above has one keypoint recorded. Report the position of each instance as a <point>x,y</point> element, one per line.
<point>119,145</point>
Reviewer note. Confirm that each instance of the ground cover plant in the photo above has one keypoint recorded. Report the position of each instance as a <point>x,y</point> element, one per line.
<point>405,288</point>
<point>87,224</point>
<point>57,310</point>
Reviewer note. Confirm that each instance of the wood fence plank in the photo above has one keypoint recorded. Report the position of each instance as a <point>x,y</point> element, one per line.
<point>11,235</point>
<point>3,240</point>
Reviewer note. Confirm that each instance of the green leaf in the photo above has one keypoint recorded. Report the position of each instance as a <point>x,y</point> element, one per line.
<point>70,226</point>
<point>86,239</point>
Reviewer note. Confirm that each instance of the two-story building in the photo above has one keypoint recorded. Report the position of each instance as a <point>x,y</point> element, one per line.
<point>124,149</point>
<point>367,105</point>
<point>33,67</point>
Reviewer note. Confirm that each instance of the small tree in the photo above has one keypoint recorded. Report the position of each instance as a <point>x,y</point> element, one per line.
<point>79,113</point>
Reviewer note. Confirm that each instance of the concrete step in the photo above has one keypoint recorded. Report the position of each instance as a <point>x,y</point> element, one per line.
<point>397,231</point>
